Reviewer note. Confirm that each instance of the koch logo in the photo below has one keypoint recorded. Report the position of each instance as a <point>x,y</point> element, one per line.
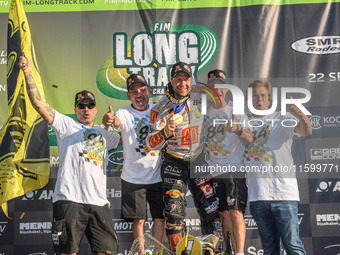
<point>332,219</point>
<point>330,186</point>
<point>315,121</point>
<point>325,153</point>
<point>326,122</point>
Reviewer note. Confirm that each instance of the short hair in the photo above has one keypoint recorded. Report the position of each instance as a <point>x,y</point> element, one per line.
<point>266,84</point>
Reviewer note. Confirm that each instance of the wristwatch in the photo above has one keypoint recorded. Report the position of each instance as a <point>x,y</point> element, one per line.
<point>240,131</point>
<point>113,122</point>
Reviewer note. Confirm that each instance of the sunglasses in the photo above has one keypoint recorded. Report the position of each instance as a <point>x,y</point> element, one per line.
<point>89,106</point>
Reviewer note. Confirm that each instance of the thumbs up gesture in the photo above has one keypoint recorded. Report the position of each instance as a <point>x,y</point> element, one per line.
<point>295,109</point>
<point>232,125</point>
<point>110,119</point>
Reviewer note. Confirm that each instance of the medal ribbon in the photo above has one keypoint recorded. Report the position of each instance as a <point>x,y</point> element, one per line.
<point>179,108</point>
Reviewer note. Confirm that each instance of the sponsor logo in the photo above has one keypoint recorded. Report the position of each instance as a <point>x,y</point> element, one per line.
<point>172,143</point>
<point>324,153</point>
<point>112,193</point>
<point>55,238</point>
<point>324,122</point>
<point>38,195</point>
<point>3,57</point>
<point>152,54</point>
<point>317,45</point>
<point>116,160</point>
<point>251,223</point>
<point>190,135</point>
<point>230,201</point>
<point>174,193</point>
<point>54,161</point>
<point>329,186</point>
<point>332,249</point>
<point>156,139</point>
<point>153,116</point>
<point>3,225</point>
<point>35,228</point>
<point>315,121</point>
<point>208,191</point>
<point>174,240</point>
<point>122,226</point>
<point>212,208</point>
<point>173,170</point>
<point>193,224</point>
<point>200,181</point>
<point>252,250</point>
<point>116,157</point>
<point>173,181</point>
<point>331,219</point>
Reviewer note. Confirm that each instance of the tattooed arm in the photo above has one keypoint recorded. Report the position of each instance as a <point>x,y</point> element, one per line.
<point>44,109</point>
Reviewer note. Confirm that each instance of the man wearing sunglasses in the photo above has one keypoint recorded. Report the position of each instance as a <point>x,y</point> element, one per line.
<point>80,204</point>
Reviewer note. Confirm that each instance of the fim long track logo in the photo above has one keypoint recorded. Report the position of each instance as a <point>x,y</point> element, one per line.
<point>153,53</point>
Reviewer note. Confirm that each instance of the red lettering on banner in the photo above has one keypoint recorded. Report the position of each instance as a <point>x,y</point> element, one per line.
<point>190,135</point>
<point>153,116</point>
<point>156,139</point>
<point>207,190</point>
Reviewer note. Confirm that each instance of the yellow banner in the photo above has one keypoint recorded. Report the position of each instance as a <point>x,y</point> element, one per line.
<point>24,139</point>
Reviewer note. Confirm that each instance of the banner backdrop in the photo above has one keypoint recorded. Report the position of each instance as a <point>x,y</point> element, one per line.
<point>94,44</point>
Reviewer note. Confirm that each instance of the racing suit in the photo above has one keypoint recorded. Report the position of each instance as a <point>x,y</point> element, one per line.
<point>183,151</point>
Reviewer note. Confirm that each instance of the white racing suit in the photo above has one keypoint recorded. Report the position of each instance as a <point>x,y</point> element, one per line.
<point>183,150</point>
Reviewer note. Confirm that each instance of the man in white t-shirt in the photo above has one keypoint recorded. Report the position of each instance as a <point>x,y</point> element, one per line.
<point>80,204</point>
<point>223,146</point>
<point>141,177</point>
<point>272,185</point>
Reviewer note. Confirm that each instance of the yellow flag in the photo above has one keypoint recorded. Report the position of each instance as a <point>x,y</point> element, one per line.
<point>24,139</point>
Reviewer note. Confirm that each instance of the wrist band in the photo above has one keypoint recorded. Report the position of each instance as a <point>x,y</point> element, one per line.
<point>28,72</point>
<point>240,131</point>
<point>113,122</point>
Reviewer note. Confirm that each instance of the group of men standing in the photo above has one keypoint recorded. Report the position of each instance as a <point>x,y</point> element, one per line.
<point>160,159</point>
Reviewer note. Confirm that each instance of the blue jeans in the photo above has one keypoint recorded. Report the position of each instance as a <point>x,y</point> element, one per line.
<point>278,221</point>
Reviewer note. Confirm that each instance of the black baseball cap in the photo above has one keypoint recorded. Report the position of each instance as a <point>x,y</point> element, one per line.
<point>217,74</point>
<point>134,78</point>
<point>85,94</point>
<point>180,67</point>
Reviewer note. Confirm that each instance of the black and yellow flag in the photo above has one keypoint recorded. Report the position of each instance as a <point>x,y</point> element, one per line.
<point>24,139</point>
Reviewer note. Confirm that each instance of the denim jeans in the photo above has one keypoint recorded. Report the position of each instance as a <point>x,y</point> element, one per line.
<point>278,221</point>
